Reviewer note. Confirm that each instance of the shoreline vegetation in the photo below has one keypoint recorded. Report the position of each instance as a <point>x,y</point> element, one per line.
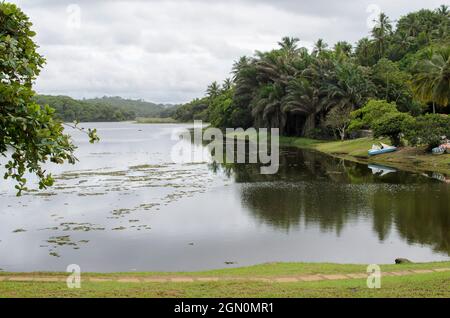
<point>393,82</point>
<point>413,159</point>
<point>156,120</point>
<point>265,280</point>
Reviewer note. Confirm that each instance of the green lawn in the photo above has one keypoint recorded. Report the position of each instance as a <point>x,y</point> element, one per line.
<point>436,284</point>
<point>420,285</point>
<point>264,270</point>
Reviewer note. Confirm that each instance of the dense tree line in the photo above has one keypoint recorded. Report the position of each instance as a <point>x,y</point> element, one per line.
<point>315,93</point>
<point>102,109</point>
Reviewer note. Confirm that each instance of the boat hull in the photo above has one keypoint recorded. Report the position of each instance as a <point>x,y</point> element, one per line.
<point>381,151</point>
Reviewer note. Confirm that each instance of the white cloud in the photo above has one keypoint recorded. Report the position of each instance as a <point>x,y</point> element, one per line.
<point>168,51</point>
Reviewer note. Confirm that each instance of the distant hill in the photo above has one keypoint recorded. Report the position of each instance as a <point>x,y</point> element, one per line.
<point>104,109</point>
<point>139,106</point>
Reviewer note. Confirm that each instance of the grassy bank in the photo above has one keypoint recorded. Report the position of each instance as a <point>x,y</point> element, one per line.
<point>433,284</point>
<point>406,158</point>
<point>155,120</point>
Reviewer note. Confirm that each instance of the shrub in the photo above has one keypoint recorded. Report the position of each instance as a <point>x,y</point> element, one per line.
<point>383,118</point>
<point>391,125</point>
<point>428,130</point>
<point>372,111</point>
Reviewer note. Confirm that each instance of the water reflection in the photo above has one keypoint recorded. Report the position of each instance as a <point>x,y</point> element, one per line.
<point>127,206</point>
<point>314,189</point>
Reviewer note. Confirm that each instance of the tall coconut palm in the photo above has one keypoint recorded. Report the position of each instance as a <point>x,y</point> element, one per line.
<point>245,79</point>
<point>227,84</point>
<point>238,65</point>
<point>381,33</point>
<point>213,90</point>
<point>289,45</point>
<point>431,77</point>
<point>343,48</point>
<point>364,51</point>
<point>443,10</point>
<point>319,47</point>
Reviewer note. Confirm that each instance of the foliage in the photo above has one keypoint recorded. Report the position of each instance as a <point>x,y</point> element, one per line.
<point>367,115</point>
<point>431,75</point>
<point>391,125</point>
<point>221,108</point>
<point>30,135</point>
<point>383,118</point>
<point>339,119</point>
<point>103,109</point>
<point>428,130</point>
<point>196,109</point>
<point>155,120</point>
<point>392,84</point>
<point>296,91</point>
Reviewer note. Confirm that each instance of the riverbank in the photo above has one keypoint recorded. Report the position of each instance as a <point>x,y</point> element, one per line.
<point>266,280</point>
<point>156,120</point>
<point>406,158</point>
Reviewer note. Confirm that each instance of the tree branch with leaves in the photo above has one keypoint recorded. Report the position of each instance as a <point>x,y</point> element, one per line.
<point>30,135</point>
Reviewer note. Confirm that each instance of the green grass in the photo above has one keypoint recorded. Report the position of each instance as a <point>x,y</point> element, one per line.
<point>436,284</point>
<point>262,270</point>
<point>406,158</point>
<point>355,147</point>
<point>420,285</point>
<point>155,120</point>
<point>299,142</point>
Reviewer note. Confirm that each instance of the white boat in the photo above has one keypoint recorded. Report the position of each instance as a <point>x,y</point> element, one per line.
<point>377,150</point>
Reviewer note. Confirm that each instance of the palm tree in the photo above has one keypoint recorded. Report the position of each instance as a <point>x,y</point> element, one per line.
<point>245,79</point>
<point>319,47</point>
<point>239,65</point>
<point>288,44</point>
<point>431,77</point>
<point>364,51</point>
<point>442,31</point>
<point>411,25</point>
<point>443,10</point>
<point>213,90</point>
<point>404,41</point>
<point>227,84</point>
<point>343,48</point>
<point>303,98</point>
<point>288,47</point>
<point>381,33</point>
<point>350,87</point>
<point>267,107</point>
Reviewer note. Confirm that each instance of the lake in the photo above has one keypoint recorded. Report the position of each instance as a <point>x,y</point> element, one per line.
<point>125,206</point>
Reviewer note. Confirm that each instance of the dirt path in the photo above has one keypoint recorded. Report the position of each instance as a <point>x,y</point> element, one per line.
<point>191,279</point>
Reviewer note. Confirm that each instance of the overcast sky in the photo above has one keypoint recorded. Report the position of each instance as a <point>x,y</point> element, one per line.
<point>169,51</point>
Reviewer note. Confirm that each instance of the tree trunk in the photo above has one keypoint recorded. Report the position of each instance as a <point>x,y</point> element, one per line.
<point>434,109</point>
<point>342,133</point>
<point>310,124</point>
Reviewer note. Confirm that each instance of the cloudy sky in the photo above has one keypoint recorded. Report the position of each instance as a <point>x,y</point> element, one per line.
<point>169,51</point>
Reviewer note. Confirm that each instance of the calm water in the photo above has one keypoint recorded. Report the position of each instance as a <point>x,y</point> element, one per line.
<point>125,206</point>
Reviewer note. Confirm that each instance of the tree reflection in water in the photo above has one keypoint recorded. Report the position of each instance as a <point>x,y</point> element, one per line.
<point>317,190</point>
